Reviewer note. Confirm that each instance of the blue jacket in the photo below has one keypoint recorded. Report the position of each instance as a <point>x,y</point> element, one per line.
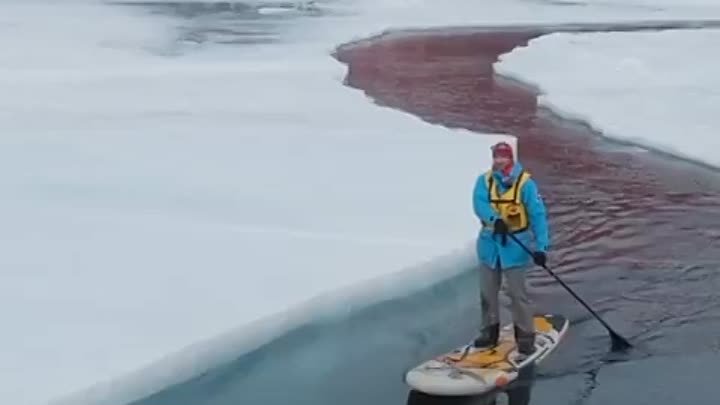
<point>489,248</point>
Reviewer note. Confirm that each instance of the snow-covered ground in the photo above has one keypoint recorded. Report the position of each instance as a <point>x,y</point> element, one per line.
<point>153,201</point>
<point>659,90</point>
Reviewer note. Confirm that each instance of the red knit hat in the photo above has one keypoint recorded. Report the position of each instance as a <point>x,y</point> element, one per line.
<point>502,149</point>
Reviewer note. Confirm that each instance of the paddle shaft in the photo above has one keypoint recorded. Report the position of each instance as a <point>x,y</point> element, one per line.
<point>618,341</point>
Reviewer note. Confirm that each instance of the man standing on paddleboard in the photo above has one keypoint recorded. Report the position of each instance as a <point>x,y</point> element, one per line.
<point>506,199</point>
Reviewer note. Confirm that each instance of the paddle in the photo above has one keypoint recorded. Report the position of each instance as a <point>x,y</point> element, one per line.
<point>619,343</point>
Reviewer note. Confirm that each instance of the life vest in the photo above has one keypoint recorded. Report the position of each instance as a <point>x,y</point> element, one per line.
<point>509,204</point>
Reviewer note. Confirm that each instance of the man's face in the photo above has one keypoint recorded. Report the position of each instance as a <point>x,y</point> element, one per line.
<point>501,162</point>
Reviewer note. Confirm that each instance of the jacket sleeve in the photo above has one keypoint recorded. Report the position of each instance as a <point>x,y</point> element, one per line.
<point>537,214</point>
<point>481,203</point>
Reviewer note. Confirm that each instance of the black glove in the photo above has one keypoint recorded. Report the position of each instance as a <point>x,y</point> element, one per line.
<point>540,258</point>
<point>500,227</point>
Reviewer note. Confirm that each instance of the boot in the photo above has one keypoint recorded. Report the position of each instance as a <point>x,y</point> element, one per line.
<point>489,337</point>
<point>525,343</point>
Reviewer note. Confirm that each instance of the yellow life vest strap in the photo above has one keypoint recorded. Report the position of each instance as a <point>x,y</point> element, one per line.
<point>517,186</point>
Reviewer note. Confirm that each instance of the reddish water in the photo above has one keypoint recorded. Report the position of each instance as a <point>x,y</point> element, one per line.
<point>635,233</point>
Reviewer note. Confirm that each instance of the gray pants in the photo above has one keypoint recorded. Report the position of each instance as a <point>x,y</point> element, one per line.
<point>521,307</point>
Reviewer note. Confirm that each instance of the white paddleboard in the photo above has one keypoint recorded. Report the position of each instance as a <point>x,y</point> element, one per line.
<point>471,371</point>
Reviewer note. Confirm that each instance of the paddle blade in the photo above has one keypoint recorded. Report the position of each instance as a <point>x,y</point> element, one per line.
<point>619,343</point>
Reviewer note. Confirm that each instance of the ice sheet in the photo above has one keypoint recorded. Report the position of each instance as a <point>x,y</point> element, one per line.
<point>152,202</point>
<point>659,90</point>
